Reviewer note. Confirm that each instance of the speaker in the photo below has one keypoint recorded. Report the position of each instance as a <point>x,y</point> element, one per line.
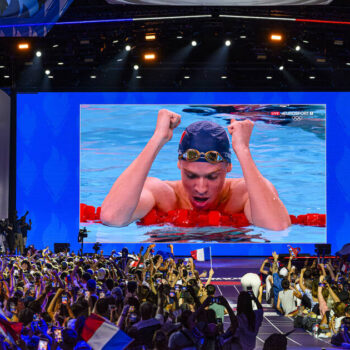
<point>323,249</point>
<point>61,247</point>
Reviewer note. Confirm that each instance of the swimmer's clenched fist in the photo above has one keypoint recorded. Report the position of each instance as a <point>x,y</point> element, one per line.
<point>240,132</point>
<point>167,121</point>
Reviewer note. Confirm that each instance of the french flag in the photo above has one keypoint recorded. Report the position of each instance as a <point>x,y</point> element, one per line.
<point>101,334</point>
<point>202,254</point>
<point>10,330</point>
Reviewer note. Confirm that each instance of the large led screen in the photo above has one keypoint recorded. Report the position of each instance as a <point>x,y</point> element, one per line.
<point>72,147</point>
<point>287,146</point>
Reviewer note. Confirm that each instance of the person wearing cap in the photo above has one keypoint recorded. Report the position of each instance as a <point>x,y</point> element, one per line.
<point>204,160</point>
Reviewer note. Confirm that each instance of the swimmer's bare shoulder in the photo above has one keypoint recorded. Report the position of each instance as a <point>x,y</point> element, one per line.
<point>163,193</point>
<point>155,194</point>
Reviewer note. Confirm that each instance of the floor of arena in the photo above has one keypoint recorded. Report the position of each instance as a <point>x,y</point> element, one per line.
<point>227,273</point>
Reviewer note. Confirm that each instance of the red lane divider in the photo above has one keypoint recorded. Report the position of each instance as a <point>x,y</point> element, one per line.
<point>193,218</point>
<point>89,213</point>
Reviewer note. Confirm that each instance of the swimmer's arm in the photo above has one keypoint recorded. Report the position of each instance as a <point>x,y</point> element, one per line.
<point>131,197</point>
<point>262,206</point>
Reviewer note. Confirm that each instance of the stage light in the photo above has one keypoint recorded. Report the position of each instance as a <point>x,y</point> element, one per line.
<point>321,60</point>
<point>312,77</point>
<point>290,60</point>
<point>194,43</point>
<point>115,41</point>
<point>305,41</point>
<point>149,56</point>
<point>186,77</point>
<point>261,56</point>
<point>6,76</point>
<point>136,67</point>
<point>50,76</point>
<point>223,77</point>
<point>60,63</point>
<point>138,77</point>
<point>338,42</point>
<point>269,77</point>
<point>47,71</point>
<point>38,54</point>
<point>56,45</point>
<point>179,37</point>
<point>150,36</point>
<point>347,63</point>
<point>228,42</point>
<point>23,46</point>
<point>243,37</point>
<point>127,47</point>
<point>2,67</point>
<point>297,48</point>
<point>280,67</point>
<point>276,37</point>
<point>93,76</point>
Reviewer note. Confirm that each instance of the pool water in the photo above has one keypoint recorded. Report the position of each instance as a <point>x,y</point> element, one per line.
<point>287,144</point>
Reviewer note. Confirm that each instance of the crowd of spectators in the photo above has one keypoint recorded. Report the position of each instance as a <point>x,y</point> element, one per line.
<point>163,303</point>
<point>160,302</point>
<point>313,291</point>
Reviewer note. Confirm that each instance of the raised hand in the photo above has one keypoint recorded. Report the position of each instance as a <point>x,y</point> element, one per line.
<point>167,121</point>
<point>240,132</point>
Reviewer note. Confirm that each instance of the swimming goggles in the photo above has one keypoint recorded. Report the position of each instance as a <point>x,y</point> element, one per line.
<point>191,155</point>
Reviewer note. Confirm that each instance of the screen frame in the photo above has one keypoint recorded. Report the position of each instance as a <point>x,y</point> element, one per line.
<point>218,249</point>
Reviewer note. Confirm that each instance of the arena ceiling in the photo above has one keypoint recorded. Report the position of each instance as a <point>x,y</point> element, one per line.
<point>85,50</point>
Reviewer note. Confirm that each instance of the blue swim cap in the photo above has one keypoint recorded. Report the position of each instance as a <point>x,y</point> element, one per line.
<point>205,136</point>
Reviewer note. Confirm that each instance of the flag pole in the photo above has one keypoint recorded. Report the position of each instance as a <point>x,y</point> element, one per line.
<point>211,260</point>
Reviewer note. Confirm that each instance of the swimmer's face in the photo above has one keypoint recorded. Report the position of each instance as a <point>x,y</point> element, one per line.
<point>203,182</point>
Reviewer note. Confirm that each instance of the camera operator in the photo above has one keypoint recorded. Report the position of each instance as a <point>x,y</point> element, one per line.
<point>8,229</point>
<point>24,227</point>
<point>3,234</point>
<point>18,224</point>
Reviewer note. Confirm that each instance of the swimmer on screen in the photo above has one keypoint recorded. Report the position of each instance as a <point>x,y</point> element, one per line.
<point>204,160</point>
